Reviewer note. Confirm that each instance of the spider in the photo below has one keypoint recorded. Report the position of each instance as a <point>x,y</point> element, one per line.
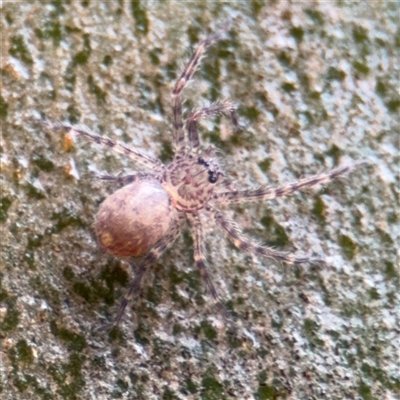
<point>146,215</point>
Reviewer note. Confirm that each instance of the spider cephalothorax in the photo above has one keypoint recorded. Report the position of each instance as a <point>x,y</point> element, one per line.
<point>192,179</point>
<point>146,215</point>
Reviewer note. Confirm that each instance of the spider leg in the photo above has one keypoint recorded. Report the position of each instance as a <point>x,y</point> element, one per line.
<point>179,135</point>
<point>135,155</point>
<point>269,193</point>
<point>235,235</point>
<point>123,179</point>
<point>214,109</point>
<point>200,260</point>
<point>152,256</point>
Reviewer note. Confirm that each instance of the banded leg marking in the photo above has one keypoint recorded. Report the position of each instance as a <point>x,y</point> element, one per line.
<point>269,193</point>
<point>214,109</point>
<point>234,234</point>
<point>180,138</point>
<point>200,260</point>
<point>135,155</point>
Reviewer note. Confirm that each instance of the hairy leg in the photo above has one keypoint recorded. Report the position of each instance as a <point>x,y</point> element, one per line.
<point>200,260</point>
<point>236,236</point>
<point>124,179</point>
<point>214,109</point>
<point>135,155</point>
<point>179,136</point>
<point>269,193</point>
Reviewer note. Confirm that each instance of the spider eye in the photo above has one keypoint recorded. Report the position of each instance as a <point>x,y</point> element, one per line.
<point>212,177</point>
<point>201,161</point>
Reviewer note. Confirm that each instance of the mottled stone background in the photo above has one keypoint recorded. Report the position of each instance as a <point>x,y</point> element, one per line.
<point>316,85</point>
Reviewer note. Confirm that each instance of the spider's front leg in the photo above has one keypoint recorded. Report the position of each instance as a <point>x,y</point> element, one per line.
<point>152,256</point>
<point>270,193</point>
<point>180,137</point>
<point>214,109</point>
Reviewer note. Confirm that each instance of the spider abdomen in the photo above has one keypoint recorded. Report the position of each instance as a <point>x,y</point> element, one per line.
<point>131,220</point>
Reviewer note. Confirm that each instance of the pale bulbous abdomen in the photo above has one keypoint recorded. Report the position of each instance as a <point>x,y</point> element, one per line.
<point>131,220</point>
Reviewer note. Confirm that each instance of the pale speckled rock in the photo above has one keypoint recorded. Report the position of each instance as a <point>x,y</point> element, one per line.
<point>316,85</point>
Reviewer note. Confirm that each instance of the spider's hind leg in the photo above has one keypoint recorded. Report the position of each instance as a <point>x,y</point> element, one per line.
<point>122,179</point>
<point>152,256</point>
<point>240,241</point>
<point>200,260</point>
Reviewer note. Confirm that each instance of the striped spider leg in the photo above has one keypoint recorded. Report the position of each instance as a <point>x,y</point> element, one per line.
<point>138,156</point>
<point>200,260</point>
<point>185,139</point>
<point>270,193</point>
<point>233,232</point>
